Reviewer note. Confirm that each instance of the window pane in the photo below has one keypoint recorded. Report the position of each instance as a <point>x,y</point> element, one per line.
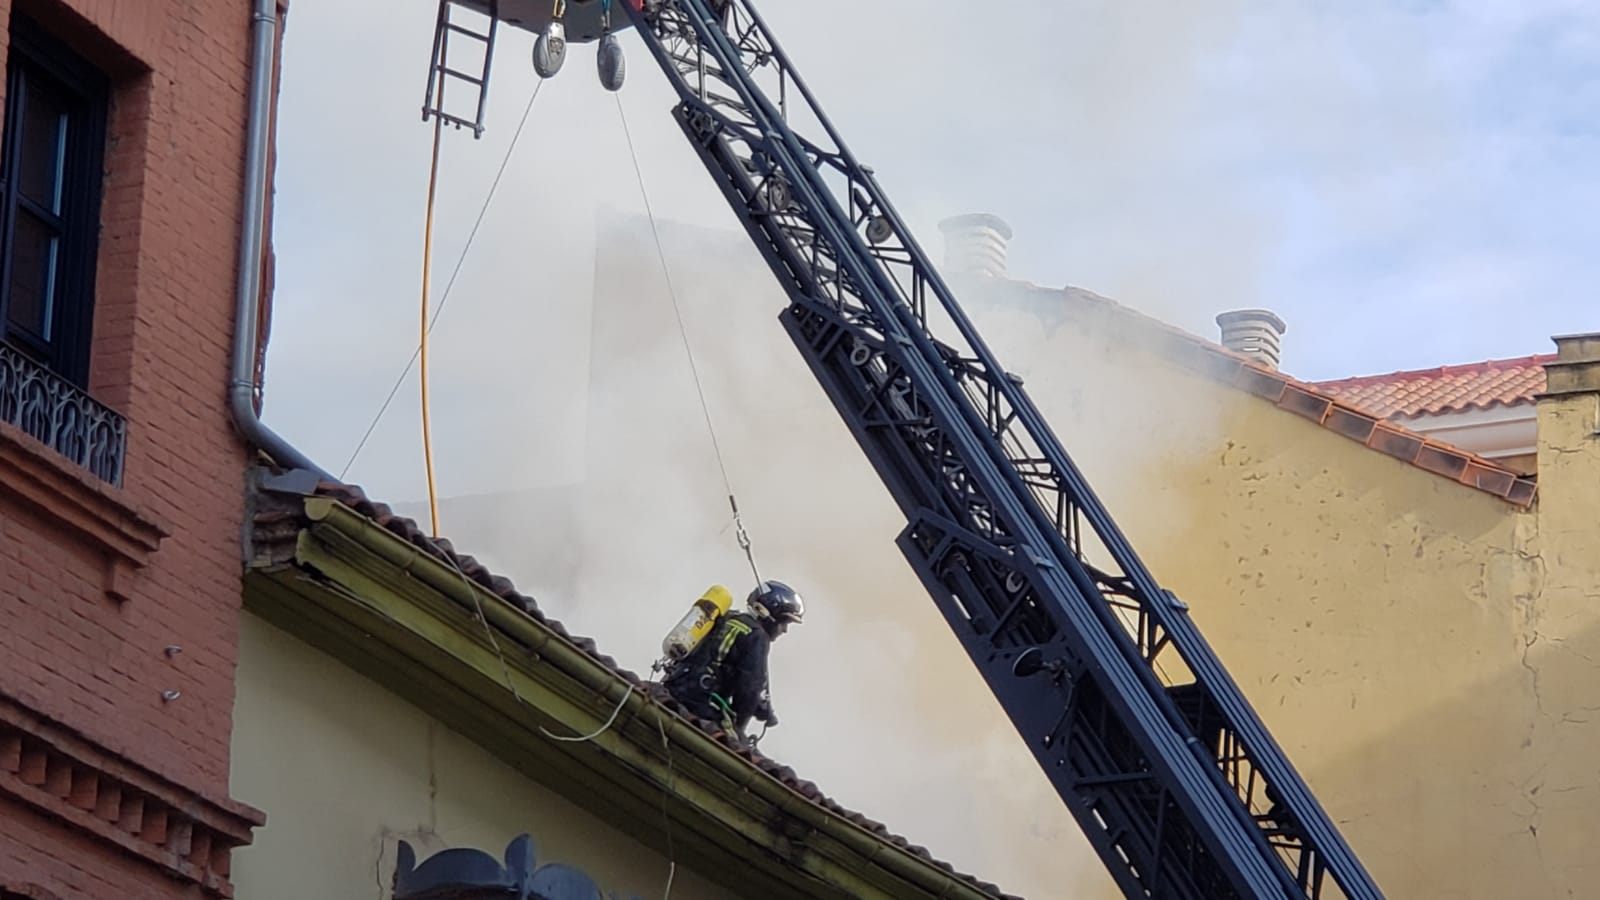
<point>42,149</point>
<point>33,274</point>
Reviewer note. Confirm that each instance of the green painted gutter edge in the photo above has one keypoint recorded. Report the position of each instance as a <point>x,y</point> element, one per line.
<point>589,672</point>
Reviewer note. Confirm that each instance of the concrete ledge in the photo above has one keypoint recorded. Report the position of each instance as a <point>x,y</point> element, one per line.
<point>99,515</point>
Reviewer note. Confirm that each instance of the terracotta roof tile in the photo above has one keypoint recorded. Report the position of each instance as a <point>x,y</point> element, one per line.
<point>272,526</point>
<point>1481,385</point>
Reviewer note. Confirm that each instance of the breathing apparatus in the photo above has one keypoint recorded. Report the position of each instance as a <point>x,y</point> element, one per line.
<point>695,624</point>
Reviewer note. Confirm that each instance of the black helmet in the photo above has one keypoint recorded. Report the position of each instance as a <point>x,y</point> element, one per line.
<point>776,601</point>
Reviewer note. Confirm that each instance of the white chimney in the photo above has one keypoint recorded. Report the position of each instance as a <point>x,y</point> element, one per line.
<point>975,244</point>
<point>1254,332</point>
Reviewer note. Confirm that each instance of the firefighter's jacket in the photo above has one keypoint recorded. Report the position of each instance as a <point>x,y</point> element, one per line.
<point>730,662</point>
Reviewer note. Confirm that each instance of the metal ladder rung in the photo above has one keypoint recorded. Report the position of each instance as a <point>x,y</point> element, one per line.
<point>457,74</point>
<point>456,120</point>
<point>462,29</point>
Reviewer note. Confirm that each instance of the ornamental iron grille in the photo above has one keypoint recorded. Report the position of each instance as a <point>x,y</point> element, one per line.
<point>69,421</point>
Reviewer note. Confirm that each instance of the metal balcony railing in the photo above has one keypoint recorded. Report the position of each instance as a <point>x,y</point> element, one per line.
<point>72,423</point>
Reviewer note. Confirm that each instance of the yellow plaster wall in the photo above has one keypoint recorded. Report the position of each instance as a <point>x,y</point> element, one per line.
<point>1428,656</point>
<point>344,769</point>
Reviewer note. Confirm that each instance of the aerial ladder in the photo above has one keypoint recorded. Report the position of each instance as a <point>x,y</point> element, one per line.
<point>1157,754</point>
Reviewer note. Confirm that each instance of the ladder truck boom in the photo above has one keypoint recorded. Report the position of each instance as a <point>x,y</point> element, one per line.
<point>1156,752</point>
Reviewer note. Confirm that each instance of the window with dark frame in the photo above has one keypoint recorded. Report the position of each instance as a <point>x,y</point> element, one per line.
<point>51,167</point>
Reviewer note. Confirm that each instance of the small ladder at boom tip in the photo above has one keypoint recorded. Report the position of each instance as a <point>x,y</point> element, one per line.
<point>440,70</point>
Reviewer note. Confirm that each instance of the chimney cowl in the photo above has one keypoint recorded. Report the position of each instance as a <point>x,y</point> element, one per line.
<point>975,244</point>
<point>1256,333</point>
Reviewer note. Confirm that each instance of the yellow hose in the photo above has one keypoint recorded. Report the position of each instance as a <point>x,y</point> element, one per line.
<point>427,267</point>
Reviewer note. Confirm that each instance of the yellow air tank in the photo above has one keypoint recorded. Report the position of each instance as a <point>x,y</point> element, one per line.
<point>702,616</point>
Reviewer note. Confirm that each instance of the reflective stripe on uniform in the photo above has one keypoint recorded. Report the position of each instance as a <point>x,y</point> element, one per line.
<point>735,630</point>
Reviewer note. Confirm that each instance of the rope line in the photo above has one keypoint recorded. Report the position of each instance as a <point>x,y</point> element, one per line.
<point>511,685</point>
<point>743,537</point>
<point>445,296</point>
<point>666,815</point>
<point>583,738</point>
<point>505,665</point>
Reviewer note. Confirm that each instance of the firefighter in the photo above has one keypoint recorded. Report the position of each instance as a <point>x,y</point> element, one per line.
<point>724,679</point>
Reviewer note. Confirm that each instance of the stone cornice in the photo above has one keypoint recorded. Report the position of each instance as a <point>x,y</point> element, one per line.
<point>68,777</point>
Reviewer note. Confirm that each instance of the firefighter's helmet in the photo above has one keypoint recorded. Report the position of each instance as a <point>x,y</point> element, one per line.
<point>776,601</point>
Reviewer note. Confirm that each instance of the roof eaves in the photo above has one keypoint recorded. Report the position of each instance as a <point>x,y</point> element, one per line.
<point>1357,424</point>
<point>1309,402</point>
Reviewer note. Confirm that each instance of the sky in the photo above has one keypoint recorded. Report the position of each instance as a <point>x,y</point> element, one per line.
<point>1407,184</point>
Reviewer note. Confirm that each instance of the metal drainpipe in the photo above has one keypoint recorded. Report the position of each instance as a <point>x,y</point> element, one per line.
<point>252,249</point>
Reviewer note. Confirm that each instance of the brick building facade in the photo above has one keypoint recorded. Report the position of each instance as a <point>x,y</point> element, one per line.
<point>121,475</point>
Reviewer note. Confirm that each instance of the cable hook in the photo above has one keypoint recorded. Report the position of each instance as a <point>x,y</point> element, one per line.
<point>743,537</point>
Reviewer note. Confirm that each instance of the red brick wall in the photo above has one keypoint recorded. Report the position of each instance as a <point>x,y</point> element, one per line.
<point>163,331</point>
